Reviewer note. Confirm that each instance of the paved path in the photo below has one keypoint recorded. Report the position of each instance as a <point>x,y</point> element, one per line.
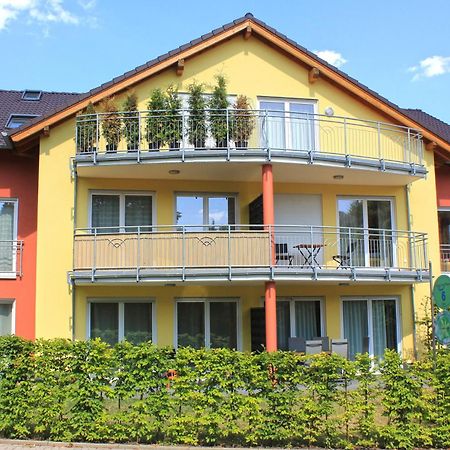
<point>9,444</point>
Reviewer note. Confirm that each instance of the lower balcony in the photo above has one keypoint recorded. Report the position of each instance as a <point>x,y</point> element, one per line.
<point>175,254</point>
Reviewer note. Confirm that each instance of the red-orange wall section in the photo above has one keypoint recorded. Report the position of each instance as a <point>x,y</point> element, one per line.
<point>19,180</point>
<point>443,186</point>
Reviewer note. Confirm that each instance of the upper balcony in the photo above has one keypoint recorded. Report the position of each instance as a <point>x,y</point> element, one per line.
<point>314,146</point>
<point>248,253</point>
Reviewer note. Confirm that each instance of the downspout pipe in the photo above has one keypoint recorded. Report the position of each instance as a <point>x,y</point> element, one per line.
<point>72,284</point>
<point>413,295</point>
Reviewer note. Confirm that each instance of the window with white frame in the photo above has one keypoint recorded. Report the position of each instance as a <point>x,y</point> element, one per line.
<point>6,317</point>
<point>298,317</point>
<point>371,325</point>
<point>212,210</point>
<point>8,235</point>
<point>113,321</point>
<point>366,238</point>
<point>113,212</point>
<point>210,323</point>
<point>289,124</point>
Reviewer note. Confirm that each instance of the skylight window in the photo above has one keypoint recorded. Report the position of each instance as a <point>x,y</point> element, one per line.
<point>31,95</point>
<point>17,120</point>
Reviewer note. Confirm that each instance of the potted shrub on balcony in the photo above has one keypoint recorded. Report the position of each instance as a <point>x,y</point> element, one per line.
<point>218,116</point>
<point>174,119</point>
<point>111,124</point>
<point>243,122</point>
<point>87,130</point>
<point>156,119</point>
<point>197,116</point>
<point>130,121</point>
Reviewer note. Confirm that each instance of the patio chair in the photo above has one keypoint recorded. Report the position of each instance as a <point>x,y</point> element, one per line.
<point>313,347</point>
<point>340,347</point>
<point>282,253</point>
<point>297,344</point>
<point>325,342</point>
<point>344,260</point>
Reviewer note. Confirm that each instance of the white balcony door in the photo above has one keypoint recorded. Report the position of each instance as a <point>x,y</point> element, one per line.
<point>367,239</point>
<point>371,325</point>
<point>302,215</point>
<point>8,234</point>
<point>113,212</point>
<point>288,125</point>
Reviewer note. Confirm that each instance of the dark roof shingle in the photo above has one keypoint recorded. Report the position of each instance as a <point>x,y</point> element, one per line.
<point>429,122</point>
<point>11,103</point>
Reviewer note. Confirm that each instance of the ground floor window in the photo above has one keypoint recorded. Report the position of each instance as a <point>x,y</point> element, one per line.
<point>371,325</point>
<point>298,317</point>
<point>6,317</point>
<point>114,321</point>
<point>210,323</point>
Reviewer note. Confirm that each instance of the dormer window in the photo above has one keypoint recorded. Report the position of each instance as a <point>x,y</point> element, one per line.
<point>17,120</point>
<point>31,95</point>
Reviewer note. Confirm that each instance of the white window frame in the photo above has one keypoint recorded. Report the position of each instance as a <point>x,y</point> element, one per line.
<point>206,196</point>
<point>365,199</point>
<point>12,302</point>
<point>369,300</point>
<point>293,300</point>
<point>207,301</point>
<point>13,273</point>
<point>287,124</point>
<point>122,195</point>
<point>121,313</point>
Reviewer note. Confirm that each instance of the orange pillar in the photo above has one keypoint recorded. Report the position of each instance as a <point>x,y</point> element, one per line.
<point>270,293</point>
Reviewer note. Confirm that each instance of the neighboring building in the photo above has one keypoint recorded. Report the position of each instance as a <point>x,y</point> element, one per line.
<point>442,171</point>
<point>18,209</point>
<point>319,223</point>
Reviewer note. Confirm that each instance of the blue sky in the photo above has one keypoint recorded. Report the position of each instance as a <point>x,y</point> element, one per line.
<point>399,48</point>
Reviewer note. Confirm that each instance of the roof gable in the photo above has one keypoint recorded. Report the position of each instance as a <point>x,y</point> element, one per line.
<point>249,25</point>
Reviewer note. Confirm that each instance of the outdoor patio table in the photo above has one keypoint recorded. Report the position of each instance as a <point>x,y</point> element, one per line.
<point>309,253</point>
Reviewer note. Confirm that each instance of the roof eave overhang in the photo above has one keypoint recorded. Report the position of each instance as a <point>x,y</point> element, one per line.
<point>257,29</point>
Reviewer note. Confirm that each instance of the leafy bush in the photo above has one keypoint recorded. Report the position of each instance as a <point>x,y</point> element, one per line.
<point>90,391</point>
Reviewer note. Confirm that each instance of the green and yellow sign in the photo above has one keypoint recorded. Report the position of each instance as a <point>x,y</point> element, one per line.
<point>441,292</point>
<point>442,327</point>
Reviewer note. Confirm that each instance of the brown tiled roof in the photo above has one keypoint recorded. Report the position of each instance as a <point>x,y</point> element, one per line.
<point>11,103</point>
<point>419,118</point>
<point>429,122</point>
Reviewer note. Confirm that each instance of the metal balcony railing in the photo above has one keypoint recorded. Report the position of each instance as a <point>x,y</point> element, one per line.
<point>11,255</point>
<point>146,134</point>
<point>445,257</point>
<point>250,247</point>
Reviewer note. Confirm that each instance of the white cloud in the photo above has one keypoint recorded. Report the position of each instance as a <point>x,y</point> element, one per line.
<point>87,4</point>
<point>331,57</point>
<point>40,11</point>
<point>217,216</point>
<point>431,67</point>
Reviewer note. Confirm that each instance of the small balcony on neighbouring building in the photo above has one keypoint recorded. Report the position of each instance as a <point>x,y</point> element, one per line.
<point>199,254</point>
<point>11,253</point>
<point>306,146</point>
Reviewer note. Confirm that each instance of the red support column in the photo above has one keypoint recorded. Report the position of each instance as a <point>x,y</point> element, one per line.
<point>270,291</point>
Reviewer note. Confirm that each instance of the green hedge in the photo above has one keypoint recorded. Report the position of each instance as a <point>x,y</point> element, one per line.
<point>88,391</point>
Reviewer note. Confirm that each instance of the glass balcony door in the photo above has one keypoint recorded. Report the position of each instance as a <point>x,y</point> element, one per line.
<point>371,325</point>
<point>118,212</point>
<point>212,212</point>
<point>288,125</point>
<point>209,323</point>
<point>8,234</point>
<point>366,239</point>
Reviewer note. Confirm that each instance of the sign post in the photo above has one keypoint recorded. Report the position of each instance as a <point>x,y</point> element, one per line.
<point>441,323</point>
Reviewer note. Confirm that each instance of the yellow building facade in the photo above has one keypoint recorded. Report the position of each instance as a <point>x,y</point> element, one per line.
<point>354,203</point>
